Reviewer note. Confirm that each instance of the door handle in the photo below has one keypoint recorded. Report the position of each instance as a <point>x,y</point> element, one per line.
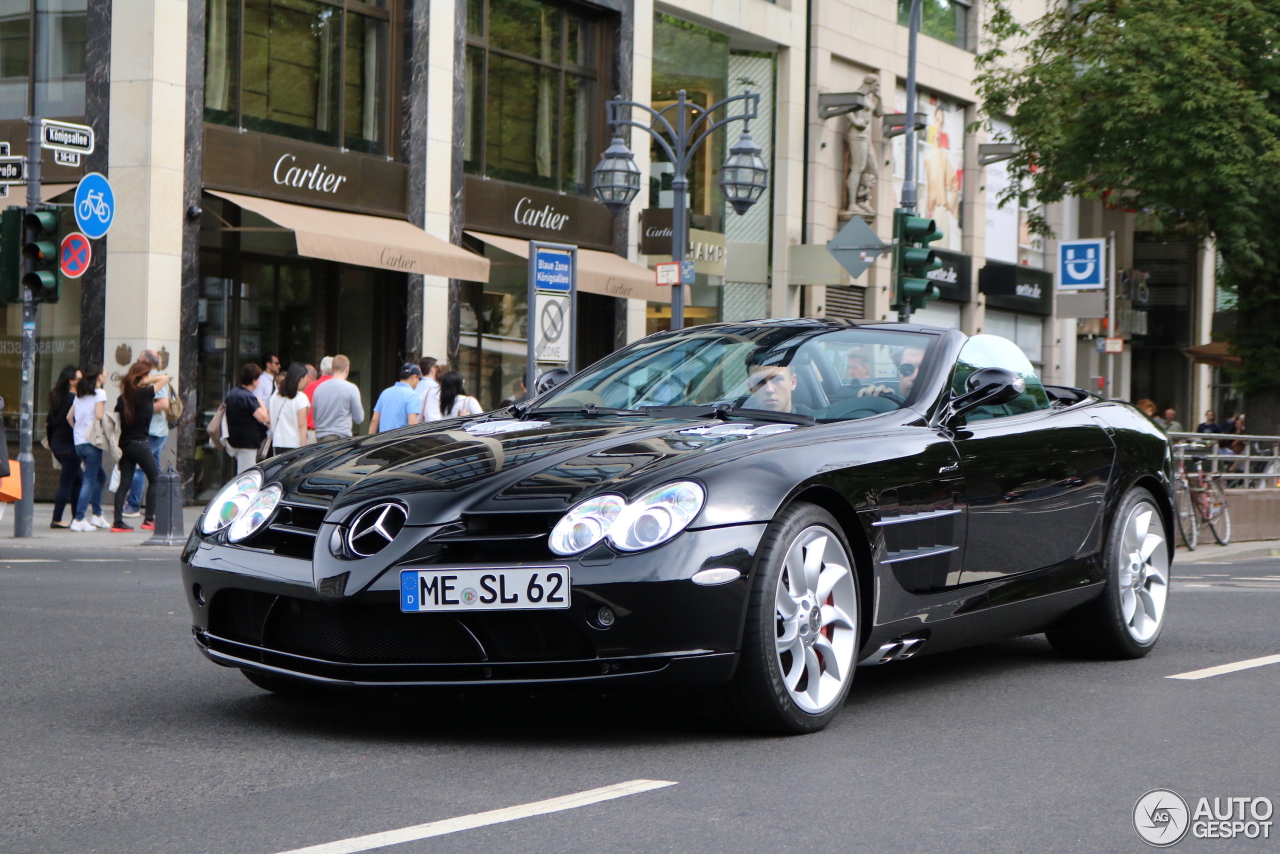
<point>948,468</point>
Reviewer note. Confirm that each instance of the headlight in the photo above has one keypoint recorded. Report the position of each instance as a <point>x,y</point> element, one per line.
<point>231,501</point>
<point>657,516</point>
<point>256,514</point>
<point>653,518</point>
<point>585,525</point>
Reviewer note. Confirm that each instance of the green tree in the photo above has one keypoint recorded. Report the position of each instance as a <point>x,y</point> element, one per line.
<point>1169,107</point>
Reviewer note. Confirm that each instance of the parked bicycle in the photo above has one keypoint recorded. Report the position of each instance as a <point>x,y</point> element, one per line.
<point>1199,497</point>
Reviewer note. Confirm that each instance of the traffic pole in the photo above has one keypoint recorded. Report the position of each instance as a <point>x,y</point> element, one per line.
<point>909,168</point>
<point>23,518</point>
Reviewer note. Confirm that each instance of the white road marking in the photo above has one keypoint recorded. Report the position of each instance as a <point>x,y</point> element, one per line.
<point>1227,668</point>
<point>482,819</point>
<point>1197,585</point>
<point>29,560</point>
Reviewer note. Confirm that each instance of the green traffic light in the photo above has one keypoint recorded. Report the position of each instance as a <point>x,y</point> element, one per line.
<point>40,251</point>
<point>41,281</point>
<point>913,260</point>
<point>42,222</point>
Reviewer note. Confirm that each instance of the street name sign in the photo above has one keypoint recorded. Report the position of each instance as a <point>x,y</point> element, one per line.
<point>1082,264</point>
<point>856,247</point>
<point>13,170</point>
<point>65,136</point>
<point>66,158</point>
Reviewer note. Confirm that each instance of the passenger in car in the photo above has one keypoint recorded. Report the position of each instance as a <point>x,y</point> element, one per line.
<point>907,360</point>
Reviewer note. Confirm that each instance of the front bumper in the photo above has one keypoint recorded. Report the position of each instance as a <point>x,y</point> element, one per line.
<point>262,612</point>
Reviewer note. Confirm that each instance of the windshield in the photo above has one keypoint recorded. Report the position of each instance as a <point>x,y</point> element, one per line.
<point>828,374</point>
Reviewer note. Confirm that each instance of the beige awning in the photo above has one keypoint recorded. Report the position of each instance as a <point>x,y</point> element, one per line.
<point>598,272</point>
<point>369,241</point>
<point>1216,354</point>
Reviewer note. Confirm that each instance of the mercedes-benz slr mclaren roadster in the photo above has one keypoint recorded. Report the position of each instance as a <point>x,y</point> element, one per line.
<point>751,509</point>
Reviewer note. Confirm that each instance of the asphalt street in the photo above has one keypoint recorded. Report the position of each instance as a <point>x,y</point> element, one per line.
<point>119,737</point>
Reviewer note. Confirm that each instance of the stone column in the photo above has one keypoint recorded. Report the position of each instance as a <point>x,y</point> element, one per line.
<point>148,88</point>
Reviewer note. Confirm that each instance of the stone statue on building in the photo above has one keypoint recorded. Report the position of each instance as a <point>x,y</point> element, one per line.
<point>861,162</point>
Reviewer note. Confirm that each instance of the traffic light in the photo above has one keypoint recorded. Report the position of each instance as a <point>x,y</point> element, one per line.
<point>42,250</point>
<point>11,256</point>
<point>913,260</point>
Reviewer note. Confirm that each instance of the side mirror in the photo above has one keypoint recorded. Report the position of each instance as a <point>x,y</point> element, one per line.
<point>987,387</point>
<point>551,379</point>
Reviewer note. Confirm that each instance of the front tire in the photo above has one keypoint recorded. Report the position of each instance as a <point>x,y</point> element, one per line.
<point>801,633</point>
<point>1127,619</point>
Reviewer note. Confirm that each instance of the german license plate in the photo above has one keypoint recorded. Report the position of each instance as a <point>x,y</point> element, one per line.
<point>494,589</point>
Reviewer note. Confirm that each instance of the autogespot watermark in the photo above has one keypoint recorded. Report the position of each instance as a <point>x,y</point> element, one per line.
<point>1162,818</point>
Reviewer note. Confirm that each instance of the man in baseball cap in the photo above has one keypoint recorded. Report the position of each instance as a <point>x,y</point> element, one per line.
<point>398,406</point>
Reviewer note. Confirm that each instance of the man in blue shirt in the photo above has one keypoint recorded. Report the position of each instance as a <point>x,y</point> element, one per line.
<point>398,406</point>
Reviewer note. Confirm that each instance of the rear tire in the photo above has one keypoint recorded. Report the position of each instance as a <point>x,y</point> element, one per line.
<point>801,635</point>
<point>1126,620</point>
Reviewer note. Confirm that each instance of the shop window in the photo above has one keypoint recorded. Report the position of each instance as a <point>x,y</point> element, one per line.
<point>532,107</point>
<point>945,20</point>
<point>695,59</point>
<point>306,69</point>
<point>1025,330</point>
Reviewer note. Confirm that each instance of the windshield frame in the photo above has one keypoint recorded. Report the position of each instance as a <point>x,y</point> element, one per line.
<point>824,369</point>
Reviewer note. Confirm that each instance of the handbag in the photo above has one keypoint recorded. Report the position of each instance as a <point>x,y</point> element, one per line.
<point>215,426</point>
<point>97,436</point>
<point>53,458</point>
<point>176,407</point>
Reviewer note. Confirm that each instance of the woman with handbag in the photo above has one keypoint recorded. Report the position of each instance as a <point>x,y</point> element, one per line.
<point>60,443</point>
<point>246,419</point>
<point>288,408</point>
<point>85,418</point>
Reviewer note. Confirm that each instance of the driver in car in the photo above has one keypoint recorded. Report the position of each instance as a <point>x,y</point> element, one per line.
<point>771,385</point>
<point>908,361</point>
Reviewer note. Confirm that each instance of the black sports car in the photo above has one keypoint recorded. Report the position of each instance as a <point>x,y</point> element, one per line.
<point>751,508</point>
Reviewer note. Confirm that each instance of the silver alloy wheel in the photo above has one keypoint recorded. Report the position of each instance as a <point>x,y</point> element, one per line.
<point>816,620</point>
<point>1144,572</point>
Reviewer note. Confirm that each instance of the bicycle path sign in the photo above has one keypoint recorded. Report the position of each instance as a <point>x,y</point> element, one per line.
<point>95,205</point>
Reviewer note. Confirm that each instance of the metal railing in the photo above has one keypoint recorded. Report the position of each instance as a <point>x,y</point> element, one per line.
<point>1244,461</point>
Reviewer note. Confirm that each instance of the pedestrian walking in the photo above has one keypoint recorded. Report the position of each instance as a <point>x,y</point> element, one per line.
<point>398,406</point>
<point>266,385</point>
<point>86,427</point>
<point>454,400</point>
<point>288,409</point>
<point>136,406</point>
<point>326,374</point>
<point>246,419</point>
<point>430,380</point>
<point>336,403</point>
<point>157,432</point>
<point>62,445</point>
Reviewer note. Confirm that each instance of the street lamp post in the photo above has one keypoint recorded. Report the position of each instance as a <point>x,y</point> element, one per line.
<point>743,177</point>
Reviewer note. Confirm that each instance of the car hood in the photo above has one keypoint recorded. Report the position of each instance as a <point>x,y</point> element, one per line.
<point>539,463</point>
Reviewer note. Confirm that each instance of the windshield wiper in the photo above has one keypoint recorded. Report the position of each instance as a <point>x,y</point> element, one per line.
<point>725,412</point>
<point>590,410</point>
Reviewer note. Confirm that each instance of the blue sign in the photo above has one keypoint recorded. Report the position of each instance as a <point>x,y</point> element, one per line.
<point>1082,264</point>
<point>95,205</point>
<point>688,273</point>
<point>552,269</point>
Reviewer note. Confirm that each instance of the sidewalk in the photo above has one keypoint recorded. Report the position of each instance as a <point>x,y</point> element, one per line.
<point>45,537</point>
<point>1211,552</point>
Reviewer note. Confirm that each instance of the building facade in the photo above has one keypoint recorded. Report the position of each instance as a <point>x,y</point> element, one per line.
<point>300,178</point>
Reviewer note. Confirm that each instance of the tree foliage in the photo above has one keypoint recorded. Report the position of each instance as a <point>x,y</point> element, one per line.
<point>1169,107</point>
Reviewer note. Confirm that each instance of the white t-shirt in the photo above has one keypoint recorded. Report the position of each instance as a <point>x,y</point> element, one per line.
<point>284,419</point>
<point>83,408</point>
<point>464,405</point>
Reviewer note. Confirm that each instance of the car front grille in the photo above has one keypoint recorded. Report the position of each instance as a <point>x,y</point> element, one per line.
<point>379,633</point>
